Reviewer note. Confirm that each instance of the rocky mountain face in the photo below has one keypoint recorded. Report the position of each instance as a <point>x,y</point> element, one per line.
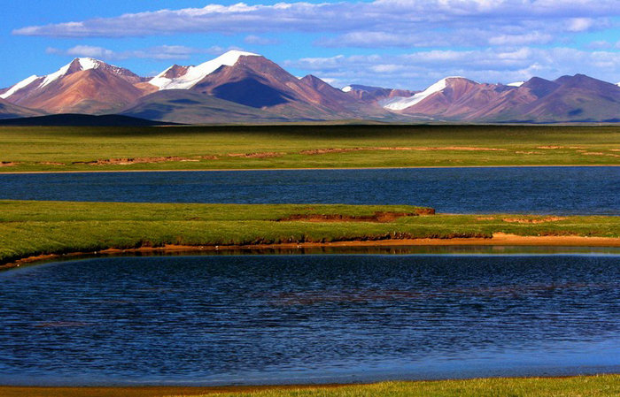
<point>244,87</point>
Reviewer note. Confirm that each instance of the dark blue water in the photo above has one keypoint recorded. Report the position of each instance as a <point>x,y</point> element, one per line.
<point>300,319</point>
<point>543,190</point>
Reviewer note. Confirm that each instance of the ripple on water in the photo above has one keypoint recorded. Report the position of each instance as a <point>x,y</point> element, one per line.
<point>281,319</point>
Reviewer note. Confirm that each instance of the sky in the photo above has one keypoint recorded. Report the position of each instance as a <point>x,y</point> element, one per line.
<point>406,44</point>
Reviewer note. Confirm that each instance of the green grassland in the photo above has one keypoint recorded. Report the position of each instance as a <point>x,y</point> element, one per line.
<point>28,149</point>
<point>582,386</point>
<point>593,386</point>
<point>30,228</point>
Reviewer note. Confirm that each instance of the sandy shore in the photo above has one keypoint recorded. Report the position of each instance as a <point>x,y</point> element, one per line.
<point>498,239</point>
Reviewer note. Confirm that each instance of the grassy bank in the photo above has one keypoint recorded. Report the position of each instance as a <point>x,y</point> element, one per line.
<point>30,149</point>
<point>594,386</point>
<point>29,228</point>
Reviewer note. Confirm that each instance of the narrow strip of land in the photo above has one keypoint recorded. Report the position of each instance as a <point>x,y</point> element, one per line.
<point>36,230</point>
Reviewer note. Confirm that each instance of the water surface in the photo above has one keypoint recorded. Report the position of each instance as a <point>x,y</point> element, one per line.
<point>539,190</point>
<point>212,320</point>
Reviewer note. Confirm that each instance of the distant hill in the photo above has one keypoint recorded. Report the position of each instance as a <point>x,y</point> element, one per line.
<point>81,120</point>
<point>85,85</point>
<point>183,106</point>
<point>9,110</point>
<point>242,87</point>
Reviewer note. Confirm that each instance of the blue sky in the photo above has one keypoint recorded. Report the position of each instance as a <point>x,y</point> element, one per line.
<point>391,43</point>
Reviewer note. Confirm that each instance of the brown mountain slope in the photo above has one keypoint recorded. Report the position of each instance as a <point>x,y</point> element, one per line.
<point>9,111</point>
<point>567,99</point>
<point>375,94</point>
<point>183,106</point>
<point>83,86</point>
<point>257,82</point>
<point>460,99</point>
<point>89,91</point>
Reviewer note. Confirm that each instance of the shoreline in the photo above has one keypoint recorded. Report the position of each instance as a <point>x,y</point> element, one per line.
<point>447,385</point>
<point>308,169</point>
<point>498,239</point>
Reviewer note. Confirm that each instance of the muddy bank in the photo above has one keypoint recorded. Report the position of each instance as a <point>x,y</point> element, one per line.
<point>377,217</point>
<point>498,239</point>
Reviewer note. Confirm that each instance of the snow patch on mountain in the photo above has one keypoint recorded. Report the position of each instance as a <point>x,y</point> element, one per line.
<point>89,63</point>
<point>195,74</point>
<point>347,89</point>
<point>50,78</point>
<point>400,103</point>
<point>85,64</point>
<point>516,84</point>
<point>19,86</point>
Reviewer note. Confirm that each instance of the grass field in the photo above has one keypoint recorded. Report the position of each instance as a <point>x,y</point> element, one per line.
<point>28,149</point>
<point>30,228</point>
<point>593,386</point>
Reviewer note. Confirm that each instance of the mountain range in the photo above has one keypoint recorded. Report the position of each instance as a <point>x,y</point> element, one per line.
<point>245,87</point>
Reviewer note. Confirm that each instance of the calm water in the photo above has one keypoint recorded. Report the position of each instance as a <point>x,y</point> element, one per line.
<point>314,318</point>
<point>545,190</point>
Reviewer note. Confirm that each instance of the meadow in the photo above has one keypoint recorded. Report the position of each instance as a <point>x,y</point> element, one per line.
<point>593,386</point>
<point>32,149</point>
<point>30,228</point>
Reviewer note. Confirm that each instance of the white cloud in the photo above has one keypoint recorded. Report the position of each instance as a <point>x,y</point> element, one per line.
<point>580,24</point>
<point>164,52</point>
<point>420,23</point>
<point>257,40</point>
<point>521,39</point>
<point>418,70</point>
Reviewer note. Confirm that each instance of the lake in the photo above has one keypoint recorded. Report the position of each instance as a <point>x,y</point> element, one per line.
<point>272,319</point>
<point>538,190</point>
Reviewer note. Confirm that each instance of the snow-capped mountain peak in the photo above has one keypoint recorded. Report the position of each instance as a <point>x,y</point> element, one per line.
<point>347,89</point>
<point>19,86</point>
<point>89,63</point>
<point>516,84</point>
<point>26,92</point>
<point>77,65</point>
<point>195,74</point>
<point>50,78</point>
<point>400,103</point>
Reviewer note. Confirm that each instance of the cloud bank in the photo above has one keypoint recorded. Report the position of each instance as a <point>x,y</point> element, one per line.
<point>162,53</point>
<point>419,70</point>
<point>485,40</point>
<point>381,23</point>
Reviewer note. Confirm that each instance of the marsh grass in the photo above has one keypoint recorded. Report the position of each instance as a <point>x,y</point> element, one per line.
<point>226,147</point>
<point>489,387</point>
<point>29,228</point>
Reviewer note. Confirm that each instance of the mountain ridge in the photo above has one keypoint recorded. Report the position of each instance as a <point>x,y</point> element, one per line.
<point>246,87</point>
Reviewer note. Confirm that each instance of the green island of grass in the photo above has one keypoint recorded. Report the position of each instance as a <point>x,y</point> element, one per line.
<point>32,228</point>
<point>582,386</point>
<point>59,149</point>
